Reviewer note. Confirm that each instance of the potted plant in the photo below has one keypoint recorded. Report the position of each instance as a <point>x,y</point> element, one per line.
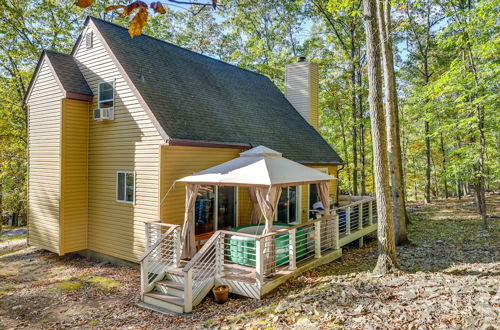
<point>221,293</point>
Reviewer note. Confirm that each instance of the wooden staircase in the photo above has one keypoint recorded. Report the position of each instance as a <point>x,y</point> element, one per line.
<point>167,294</point>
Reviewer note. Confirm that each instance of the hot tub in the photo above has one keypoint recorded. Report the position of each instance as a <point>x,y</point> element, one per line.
<point>242,249</point>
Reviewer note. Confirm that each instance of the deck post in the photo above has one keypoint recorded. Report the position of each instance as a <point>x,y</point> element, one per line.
<point>147,234</point>
<point>188,291</point>
<point>360,215</point>
<point>336,231</point>
<point>219,254</point>
<point>348,221</point>
<point>317,239</point>
<point>292,250</point>
<point>144,276</point>
<point>177,247</point>
<point>370,212</point>
<point>259,261</point>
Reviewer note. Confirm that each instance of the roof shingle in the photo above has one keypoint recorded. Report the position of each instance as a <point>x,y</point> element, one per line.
<point>68,73</point>
<point>195,97</point>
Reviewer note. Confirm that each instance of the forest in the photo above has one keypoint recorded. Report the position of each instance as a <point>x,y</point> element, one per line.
<point>444,54</point>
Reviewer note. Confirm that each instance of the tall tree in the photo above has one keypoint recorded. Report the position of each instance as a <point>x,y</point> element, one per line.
<point>392,123</point>
<point>386,261</point>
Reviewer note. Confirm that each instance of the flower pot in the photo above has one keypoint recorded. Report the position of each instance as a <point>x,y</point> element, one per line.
<point>221,293</point>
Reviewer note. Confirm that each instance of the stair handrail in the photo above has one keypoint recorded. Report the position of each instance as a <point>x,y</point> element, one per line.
<point>203,259</point>
<point>158,242</point>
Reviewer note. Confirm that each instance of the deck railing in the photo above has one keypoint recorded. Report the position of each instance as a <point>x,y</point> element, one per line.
<point>356,215</point>
<point>199,272</point>
<point>245,257</point>
<point>162,251</point>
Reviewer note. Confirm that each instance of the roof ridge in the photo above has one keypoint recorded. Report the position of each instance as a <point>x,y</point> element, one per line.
<point>177,46</point>
<point>55,52</point>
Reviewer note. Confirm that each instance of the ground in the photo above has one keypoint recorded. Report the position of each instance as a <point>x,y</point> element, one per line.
<point>450,275</point>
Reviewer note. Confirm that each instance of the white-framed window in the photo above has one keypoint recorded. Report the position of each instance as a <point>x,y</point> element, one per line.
<point>106,94</point>
<point>125,187</point>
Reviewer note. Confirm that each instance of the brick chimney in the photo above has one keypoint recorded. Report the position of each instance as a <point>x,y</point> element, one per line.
<point>302,89</point>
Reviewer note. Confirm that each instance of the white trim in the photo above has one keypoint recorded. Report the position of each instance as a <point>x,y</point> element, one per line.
<point>125,188</point>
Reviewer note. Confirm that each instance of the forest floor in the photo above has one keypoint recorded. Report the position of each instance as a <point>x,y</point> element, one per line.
<point>449,278</point>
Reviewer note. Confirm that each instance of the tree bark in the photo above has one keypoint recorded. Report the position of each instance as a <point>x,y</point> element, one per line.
<point>354,129</point>
<point>362,158</point>
<point>386,261</point>
<point>443,162</point>
<point>392,124</point>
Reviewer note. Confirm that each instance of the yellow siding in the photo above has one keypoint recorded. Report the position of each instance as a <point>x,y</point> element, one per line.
<point>178,162</point>
<point>244,206</point>
<point>128,143</point>
<point>74,142</point>
<point>44,161</point>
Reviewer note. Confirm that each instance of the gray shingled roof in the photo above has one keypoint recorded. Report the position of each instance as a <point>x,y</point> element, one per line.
<point>195,97</point>
<point>68,73</point>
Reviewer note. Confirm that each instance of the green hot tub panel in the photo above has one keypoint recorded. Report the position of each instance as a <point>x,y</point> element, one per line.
<point>242,249</point>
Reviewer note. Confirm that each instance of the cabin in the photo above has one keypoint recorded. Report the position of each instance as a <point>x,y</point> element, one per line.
<point>202,172</point>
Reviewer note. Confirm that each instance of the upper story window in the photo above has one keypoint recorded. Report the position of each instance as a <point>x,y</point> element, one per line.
<point>106,94</point>
<point>125,186</point>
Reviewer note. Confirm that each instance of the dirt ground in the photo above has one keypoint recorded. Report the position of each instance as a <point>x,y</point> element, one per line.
<point>450,278</point>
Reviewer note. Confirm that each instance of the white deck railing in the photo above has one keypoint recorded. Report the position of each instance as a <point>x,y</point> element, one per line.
<point>162,251</point>
<point>242,257</point>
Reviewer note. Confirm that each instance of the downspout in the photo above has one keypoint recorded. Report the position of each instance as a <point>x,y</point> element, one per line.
<point>338,185</point>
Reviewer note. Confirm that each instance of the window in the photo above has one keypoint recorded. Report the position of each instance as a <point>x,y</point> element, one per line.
<point>214,209</point>
<point>106,94</point>
<point>125,187</point>
<point>289,205</point>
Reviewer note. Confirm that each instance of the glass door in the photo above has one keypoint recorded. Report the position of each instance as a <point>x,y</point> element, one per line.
<point>288,205</point>
<point>215,208</point>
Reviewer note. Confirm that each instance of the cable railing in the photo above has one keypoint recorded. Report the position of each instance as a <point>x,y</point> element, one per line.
<point>201,270</point>
<point>162,251</point>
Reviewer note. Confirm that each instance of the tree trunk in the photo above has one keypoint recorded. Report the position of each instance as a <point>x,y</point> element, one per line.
<point>427,194</point>
<point>443,162</point>
<point>1,211</point>
<point>354,111</point>
<point>386,261</point>
<point>362,158</point>
<point>392,124</point>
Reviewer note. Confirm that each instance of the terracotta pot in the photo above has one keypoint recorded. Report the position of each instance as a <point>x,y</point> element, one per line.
<point>221,293</point>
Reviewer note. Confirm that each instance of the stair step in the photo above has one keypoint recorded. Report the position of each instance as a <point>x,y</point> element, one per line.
<point>171,284</point>
<point>165,297</point>
<point>165,301</point>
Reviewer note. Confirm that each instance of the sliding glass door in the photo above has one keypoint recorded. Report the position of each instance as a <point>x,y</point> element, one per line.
<point>288,205</point>
<point>214,209</point>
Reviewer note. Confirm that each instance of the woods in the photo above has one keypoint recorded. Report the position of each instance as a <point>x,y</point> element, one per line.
<point>439,70</point>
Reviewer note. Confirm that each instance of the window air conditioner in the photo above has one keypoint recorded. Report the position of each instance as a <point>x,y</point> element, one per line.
<point>102,114</point>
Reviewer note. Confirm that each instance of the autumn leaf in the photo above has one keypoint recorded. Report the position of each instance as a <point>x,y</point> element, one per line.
<point>158,7</point>
<point>84,3</point>
<point>138,22</point>
<point>127,10</point>
<point>114,7</point>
